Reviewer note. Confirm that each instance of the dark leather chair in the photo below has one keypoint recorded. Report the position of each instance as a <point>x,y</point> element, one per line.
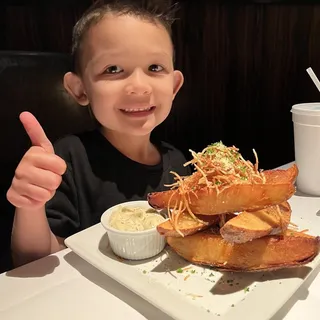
<point>31,81</point>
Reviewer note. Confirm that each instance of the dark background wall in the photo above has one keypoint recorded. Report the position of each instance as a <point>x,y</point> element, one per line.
<point>244,63</point>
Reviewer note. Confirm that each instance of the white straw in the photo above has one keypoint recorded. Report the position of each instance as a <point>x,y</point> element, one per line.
<point>314,78</point>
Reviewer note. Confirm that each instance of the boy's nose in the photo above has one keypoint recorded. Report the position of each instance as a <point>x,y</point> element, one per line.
<point>138,84</point>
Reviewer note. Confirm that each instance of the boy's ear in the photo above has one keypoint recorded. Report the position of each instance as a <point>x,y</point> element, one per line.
<point>73,84</point>
<point>177,82</point>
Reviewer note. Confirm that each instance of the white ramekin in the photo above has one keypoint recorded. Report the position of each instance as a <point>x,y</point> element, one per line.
<point>133,245</point>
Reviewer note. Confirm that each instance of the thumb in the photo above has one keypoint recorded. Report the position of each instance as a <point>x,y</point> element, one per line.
<point>35,132</point>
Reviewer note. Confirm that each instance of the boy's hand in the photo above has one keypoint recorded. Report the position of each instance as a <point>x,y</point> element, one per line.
<point>38,174</point>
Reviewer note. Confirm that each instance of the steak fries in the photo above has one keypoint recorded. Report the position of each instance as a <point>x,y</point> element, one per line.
<point>232,216</point>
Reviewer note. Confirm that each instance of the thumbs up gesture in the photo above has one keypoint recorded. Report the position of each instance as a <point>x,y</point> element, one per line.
<point>38,174</point>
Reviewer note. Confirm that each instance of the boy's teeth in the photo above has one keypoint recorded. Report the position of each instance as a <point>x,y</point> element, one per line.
<point>137,109</point>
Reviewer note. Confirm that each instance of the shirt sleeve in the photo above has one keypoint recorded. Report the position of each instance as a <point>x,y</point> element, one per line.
<point>62,209</point>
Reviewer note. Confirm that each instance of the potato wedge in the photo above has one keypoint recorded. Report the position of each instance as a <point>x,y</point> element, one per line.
<point>187,225</point>
<point>278,188</point>
<point>268,253</point>
<point>247,225</point>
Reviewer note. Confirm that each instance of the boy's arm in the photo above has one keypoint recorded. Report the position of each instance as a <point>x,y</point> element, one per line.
<point>44,195</point>
<point>35,231</point>
<point>31,236</point>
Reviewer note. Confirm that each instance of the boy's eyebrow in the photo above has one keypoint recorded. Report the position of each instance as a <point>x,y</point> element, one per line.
<point>113,53</point>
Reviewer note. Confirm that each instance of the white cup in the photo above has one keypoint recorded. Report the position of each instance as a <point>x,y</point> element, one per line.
<point>306,125</point>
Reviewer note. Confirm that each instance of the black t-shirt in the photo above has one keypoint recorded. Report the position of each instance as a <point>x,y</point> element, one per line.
<point>98,176</point>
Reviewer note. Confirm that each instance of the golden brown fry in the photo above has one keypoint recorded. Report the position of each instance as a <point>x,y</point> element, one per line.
<point>279,187</point>
<point>268,253</point>
<point>187,225</point>
<point>252,225</point>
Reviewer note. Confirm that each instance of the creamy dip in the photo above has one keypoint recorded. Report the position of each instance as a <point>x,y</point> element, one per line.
<point>134,219</point>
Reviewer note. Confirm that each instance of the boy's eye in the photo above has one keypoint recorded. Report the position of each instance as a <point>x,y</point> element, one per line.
<point>155,68</point>
<point>113,70</point>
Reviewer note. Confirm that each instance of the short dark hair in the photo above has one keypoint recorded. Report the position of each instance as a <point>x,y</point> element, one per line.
<point>156,11</point>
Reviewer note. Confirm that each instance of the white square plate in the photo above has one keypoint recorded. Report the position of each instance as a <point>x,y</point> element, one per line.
<point>197,292</point>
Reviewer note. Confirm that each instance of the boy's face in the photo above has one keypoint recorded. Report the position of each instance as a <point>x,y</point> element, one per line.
<point>128,76</point>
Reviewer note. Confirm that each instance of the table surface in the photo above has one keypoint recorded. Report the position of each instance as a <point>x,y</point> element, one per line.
<point>64,286</point>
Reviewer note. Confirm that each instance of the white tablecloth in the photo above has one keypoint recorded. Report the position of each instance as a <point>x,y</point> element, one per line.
<point>63,286</point>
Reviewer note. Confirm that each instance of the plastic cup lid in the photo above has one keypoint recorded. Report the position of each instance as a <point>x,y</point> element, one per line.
<point>312,109</point>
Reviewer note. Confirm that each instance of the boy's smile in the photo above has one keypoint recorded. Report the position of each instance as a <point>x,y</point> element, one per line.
<point>138,111</point>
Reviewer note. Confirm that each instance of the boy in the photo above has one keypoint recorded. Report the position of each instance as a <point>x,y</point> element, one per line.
<point>123,68</point>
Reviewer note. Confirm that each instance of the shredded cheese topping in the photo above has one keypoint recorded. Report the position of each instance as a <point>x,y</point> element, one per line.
<point>216,167</point>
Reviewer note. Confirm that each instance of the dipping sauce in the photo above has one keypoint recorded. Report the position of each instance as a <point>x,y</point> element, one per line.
<point>134,219</point>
